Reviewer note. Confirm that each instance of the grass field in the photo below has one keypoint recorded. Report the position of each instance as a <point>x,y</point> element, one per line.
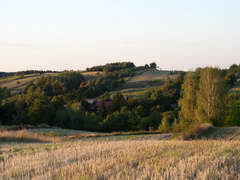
<point>142,82</point>
<point>17,83</point>
<point>12,84</point>
<point>134,92</point>
<point>58,131</point>
<point>122,159</point>
<point>130,157</point>
<point>92,75</point>
<point>95,73</point>
<point>152,76</point>
<point>147,79</point>
<point>7,79</point>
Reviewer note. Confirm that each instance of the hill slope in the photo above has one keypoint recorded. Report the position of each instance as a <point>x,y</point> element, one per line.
<point>152,75</point>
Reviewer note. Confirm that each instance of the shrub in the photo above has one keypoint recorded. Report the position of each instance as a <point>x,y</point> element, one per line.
<point>196,131</point>
<point>167,121</point>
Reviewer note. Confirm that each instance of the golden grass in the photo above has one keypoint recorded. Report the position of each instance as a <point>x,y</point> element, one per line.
<point>26,136</point>
<point>95,73</point>
<point>115,135</point>
<point>128,160</point>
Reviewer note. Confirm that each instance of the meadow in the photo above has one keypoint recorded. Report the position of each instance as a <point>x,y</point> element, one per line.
<point>120,158</point>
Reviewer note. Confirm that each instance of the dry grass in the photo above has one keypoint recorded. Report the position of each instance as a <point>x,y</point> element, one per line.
<point>134,92</point>
<point>59,132</point>
<point>92,75</point>
<point>122,135</point>
<point>117,160</point>
<point>153,75</point>
<point>95,73</point>
<point>18,83</point>
<point>148,79</point>
<point>26,136</point>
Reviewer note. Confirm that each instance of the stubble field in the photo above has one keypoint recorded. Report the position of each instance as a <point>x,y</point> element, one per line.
<point>102,159</point>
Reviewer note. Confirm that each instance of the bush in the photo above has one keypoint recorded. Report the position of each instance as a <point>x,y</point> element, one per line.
<point>167,121</point>
<point>232,118</point>
<point>196,131</point>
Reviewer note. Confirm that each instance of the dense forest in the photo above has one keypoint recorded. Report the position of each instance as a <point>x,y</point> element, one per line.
<point>69,100</point>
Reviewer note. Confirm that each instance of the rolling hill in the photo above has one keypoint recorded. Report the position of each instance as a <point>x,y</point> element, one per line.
<point>17,83</point>
<point>134,86</point>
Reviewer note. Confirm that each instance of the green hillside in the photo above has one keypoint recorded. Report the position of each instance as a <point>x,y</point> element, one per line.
<point>153,75</point>
<point>17,83</point>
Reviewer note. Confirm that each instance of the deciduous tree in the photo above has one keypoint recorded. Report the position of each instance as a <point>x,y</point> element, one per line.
<point>211,96</point>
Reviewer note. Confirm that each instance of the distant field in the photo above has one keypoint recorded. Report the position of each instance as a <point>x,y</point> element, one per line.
<point>17,83</point>
<point>58,131</point>
<point>235,89</point>
<point>148,79</point>
<point>122,159</point>
<point>152,75</point>
<point>95,73</point>
<point>70,134</point>
<point>10,78</point>
<point>134,92</point>
<point>143,81</point>
<point>48,131</point>
<point>92,75</point>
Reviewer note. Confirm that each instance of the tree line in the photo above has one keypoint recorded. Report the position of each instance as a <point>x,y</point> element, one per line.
<point>203,96</point>
<point>208,97</point>
<point>112,67</point>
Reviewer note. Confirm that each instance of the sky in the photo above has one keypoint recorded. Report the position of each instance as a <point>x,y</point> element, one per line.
<point>75,34</point>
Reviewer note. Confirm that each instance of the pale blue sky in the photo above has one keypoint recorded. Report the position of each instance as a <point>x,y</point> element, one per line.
<point>75,34</point>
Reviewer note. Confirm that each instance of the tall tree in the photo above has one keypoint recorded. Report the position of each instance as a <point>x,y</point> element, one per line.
<point>118,101</point>
<point>153,65</point>
<point>188,102</point>
<point>233,114</point>
<point>211,94</point>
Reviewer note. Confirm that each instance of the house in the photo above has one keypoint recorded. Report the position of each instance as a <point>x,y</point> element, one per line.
<point>104,104</point>
<point>96,104</point>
